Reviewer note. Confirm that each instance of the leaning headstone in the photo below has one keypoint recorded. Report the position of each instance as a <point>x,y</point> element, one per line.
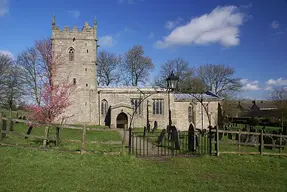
<point>24,117</point>
<point>161,136</point>
<point>175,137</point>
<point>192,139</point>
<point>30,127</point>
<point>148,127</point>
<point>154,127</point>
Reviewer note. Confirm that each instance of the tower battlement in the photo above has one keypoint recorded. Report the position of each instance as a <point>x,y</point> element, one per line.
<point>87,32</point>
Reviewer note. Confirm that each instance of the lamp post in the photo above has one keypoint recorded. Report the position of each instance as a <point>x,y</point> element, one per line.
<point>172,82</point>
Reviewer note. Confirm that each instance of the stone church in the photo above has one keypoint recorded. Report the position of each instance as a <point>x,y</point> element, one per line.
<point>116,106</point>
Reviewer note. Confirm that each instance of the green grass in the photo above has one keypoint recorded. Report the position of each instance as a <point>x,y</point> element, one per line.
<point>65,136</point>
<point>24,169</point>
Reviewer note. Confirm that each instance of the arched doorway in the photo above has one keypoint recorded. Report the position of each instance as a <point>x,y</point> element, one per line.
<point>122,120</point>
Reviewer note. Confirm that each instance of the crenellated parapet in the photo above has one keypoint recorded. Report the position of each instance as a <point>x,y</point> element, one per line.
<point>87,32</point>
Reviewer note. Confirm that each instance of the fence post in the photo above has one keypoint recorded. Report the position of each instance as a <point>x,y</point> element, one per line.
<point>239,136</point>
<point>83,148</point>
<point>124,139</point>
<point>210,141</point>
<point>217,141</point>
<point>130,140</point>
<point>280,140</point>
<point>261,142</point>
<point>57,136</point>
<point>11,125</point>
<point>46,134</point>
<point>4,124</point>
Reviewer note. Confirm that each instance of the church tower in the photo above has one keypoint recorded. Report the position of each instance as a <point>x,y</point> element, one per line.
<point>76,51</point>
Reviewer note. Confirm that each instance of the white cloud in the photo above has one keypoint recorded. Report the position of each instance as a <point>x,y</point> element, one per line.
<point>151,35</point>
<point>7,53</point>
<point>75,14</point>
<point>275,25</point>
<point>219,26</point>
<point>173,24</point>
<point>250,85</point>
<point>277,82</point>
<point>4,8</point>
<point>106,41</point>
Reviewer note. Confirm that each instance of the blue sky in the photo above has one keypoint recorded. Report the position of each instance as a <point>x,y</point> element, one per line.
<point>249,35</point>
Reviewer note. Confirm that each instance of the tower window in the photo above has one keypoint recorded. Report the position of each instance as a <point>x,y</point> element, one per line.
<point>87,85</point>
<point>74,81</point>
<point>86,69</point>
<point>71,54</point>
<point>74,39</point>
<point>87,51</point>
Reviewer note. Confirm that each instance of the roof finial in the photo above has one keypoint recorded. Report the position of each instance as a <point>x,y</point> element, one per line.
<point>53,20</point>
<point>95,22</point>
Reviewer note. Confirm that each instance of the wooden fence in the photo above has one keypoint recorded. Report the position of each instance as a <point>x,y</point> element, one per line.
<point>8,130</point>
<point>274,144</point>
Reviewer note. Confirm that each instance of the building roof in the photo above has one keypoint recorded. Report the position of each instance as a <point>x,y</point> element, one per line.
<point>205,96</point>
<point>265,105</point>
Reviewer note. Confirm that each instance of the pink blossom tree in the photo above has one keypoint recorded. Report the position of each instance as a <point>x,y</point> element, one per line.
<point>54,96</point>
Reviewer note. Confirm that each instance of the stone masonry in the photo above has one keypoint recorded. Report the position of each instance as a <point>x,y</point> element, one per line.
<point>76,52</point>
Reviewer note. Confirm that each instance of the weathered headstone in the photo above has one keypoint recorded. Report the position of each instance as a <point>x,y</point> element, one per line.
<point>154,127</point>
<point>30,127</point>
<point>192,139</point>
<point>175,137</point>
<point>161,136</point>
<point>148,127</point>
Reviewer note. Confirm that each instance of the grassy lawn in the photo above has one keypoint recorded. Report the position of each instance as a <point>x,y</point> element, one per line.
<point>32,170</point>
<point>66,135</point>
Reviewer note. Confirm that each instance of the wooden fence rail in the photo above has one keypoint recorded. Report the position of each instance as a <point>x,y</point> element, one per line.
<point>9,131</point>
<point>258,137</point>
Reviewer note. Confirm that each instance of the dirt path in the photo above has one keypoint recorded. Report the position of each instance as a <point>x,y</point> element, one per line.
<point>142,147</point>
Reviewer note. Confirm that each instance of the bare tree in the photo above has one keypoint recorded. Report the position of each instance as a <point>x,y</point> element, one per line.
<point>279,98</point>
<point>28,60</point>
<point>179,67</point>
<point>219,79</point>
<point>108,72</point>
<point>136,65</point>
<point>13,89</point>
<point>5,63</point>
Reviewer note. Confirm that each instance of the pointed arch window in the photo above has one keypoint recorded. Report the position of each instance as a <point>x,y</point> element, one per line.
<point>71,54</point>
<point>104,107</point>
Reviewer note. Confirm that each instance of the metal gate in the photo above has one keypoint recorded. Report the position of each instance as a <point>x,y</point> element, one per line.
<point>171,143</point>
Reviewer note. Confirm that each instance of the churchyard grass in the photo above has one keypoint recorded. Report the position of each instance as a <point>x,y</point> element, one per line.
<point>31,170</point>
<point>70,139</point>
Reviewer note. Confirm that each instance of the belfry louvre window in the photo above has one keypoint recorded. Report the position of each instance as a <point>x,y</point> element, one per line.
<point>104,107</point>
<point>71,54</point>
<point>157,106</point>
<point>136,103</point>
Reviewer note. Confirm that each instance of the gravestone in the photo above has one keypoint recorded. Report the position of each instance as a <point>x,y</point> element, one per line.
<point>30,127</point>
<point>154,127</point>
<point>148,127</point>
<point>192,139</point>
<point>175,137</point>
<point>161,136</point>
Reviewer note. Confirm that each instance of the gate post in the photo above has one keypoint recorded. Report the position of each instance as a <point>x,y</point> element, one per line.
<point>217,141</point>
<point>130,140</point>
